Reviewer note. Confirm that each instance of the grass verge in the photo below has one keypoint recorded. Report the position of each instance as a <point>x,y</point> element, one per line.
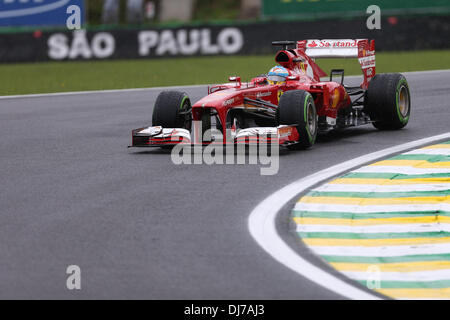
<point>27,78</point>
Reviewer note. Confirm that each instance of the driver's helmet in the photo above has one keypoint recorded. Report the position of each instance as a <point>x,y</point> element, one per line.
<point>277,75</point>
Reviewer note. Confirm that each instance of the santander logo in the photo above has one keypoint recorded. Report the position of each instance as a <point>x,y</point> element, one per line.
<point>349,43</point>
<point>28,7</point>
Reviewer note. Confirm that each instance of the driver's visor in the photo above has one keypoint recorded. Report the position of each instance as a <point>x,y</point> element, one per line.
<point>276,79</point>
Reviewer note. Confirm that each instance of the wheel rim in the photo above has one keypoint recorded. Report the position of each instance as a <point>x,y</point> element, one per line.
<point>312,120</point>
<point>403,101</point>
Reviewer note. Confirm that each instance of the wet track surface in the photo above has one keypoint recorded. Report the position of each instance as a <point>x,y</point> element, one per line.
<point>140,226</point>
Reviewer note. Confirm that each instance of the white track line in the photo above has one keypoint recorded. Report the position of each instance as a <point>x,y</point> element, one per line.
<point>74,93</point>
<point>262,220</point>
<point>438,152</point>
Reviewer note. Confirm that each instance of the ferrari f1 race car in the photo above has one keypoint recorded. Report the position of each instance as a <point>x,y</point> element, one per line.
<point>290,103</point>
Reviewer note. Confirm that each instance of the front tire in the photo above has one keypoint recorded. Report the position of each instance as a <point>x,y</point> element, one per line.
<point>172,110</point>
<point>388,101</point>
<point>297,107</point>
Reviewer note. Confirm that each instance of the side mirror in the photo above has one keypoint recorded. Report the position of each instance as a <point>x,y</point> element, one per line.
<point>338,73</point>
<point>235,79</point>
<point>293,77</point>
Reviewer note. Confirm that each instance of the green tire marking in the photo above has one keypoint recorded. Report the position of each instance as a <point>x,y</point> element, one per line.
<point>401,118</point>
<point>182,102</point>
<point>305,115</point>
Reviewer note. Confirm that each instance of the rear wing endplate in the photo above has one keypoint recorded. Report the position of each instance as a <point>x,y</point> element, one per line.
<point>363,49</point>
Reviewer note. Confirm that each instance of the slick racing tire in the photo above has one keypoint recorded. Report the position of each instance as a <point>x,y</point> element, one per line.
<point>388,101</point>
<point>172,110</point>
<point>297,107</point>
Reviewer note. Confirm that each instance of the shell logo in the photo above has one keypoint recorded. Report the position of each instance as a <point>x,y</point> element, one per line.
<point>29,7</point>
<point>335,98</point>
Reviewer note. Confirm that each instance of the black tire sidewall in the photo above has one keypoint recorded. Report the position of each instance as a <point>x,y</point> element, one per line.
<point>167,107</point>
<point>382,101</point>
<point>293,109</point>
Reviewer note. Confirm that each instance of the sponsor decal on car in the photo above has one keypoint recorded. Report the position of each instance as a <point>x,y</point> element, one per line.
<point>228,102</point>
<point>263,94</point>
<point>303,66</point>
<point>335,98</point>
<point>332,43</point>
<point>285,131</point>
<point>367,62</point>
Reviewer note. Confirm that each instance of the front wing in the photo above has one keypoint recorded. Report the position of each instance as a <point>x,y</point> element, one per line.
<point>159,137</point>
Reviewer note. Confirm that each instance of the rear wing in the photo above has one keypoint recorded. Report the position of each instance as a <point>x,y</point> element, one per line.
<point>363,49</point>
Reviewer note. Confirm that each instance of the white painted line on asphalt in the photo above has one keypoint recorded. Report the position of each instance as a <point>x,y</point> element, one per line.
<point>427,71</point>
<point>437,152</point>
<point>404,73</point>
<point>56,94</point>
<point>262,220</point>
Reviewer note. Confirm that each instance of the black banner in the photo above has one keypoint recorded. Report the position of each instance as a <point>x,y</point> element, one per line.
<point>396,33</point>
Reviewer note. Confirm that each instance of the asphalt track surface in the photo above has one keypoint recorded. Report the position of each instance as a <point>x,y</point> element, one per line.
<point>138,225</point>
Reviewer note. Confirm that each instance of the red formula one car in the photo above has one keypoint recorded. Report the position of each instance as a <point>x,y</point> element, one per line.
<point>291,103</point>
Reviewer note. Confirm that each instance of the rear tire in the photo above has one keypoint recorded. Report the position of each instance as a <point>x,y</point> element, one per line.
<point>172,110</point>
<point>388,101</point>
<point>297,107</point>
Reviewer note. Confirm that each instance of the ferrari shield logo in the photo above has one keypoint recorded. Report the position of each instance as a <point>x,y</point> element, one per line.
<point>303,66</point>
